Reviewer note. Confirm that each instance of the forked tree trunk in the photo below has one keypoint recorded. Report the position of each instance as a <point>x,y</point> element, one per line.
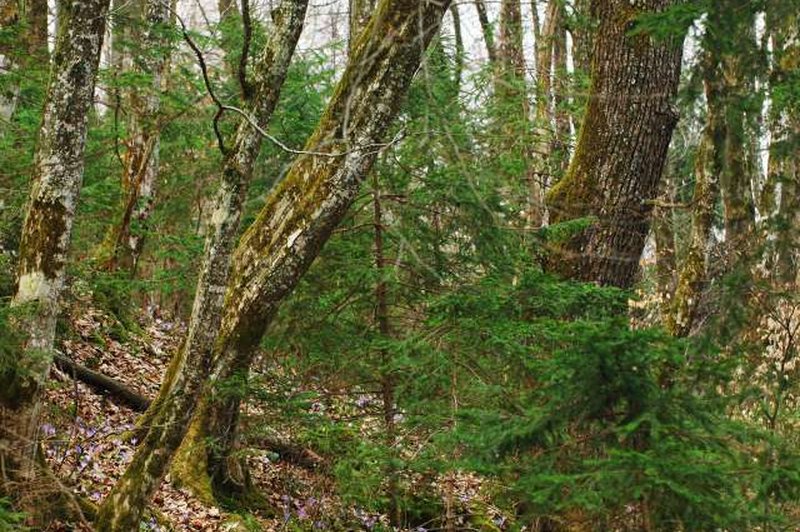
<point>169,416</point>
<point>58,173</point>
<point>622,146</point>
<point>303,210</point>
<point>125,238</point>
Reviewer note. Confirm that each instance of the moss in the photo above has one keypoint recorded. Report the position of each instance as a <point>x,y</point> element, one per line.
<point>190,465</point>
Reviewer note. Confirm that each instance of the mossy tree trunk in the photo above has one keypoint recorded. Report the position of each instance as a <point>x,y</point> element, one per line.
<point>125,238</point>
<point>622,146</point>
<point>303,210</point>
<point>722,166</point>
<point>168,417</point>
<point>46,233</point>
<point>784,159</point>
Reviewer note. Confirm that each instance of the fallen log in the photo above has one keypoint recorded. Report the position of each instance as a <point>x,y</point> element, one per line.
<point>288,451</point>
<point>102,383</point>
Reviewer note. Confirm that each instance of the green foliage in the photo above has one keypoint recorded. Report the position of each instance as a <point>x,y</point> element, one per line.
<point>10,521</point>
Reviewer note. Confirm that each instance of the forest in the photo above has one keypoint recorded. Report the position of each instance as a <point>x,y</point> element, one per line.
<point>399,265</point>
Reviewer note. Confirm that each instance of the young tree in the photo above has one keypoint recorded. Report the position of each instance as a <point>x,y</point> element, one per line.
<point>57,177</point>
<point>303,210</point>
<point>622,147</point>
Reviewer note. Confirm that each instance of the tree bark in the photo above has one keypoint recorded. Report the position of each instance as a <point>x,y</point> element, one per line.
<point>303,210</point>
<point>487,30</point>
<point>722,166</point>
<point>58,173</point>
<point>125,238</point>
<point>622,146</point>
<point>168,417</point>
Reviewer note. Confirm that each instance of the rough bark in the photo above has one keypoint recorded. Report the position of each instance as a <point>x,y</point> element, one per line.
<point>303,210</point>
<point>58,173</point>
<point>169,416</point>
<point>360,13</point>
<point>125,238</point>
<point>622,146</point>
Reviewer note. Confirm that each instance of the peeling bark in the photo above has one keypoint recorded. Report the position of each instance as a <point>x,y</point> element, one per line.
<point>168,418</point>
<point>306,206</point>
<point>58,173</point>
<point>622,146</point>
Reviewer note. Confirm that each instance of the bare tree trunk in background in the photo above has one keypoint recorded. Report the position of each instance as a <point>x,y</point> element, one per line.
<point>29,52</point>
<point>57,178</point>
<point>487,30</point>
<point>459,44</point>
<point>125,238</point>
<point>303,210</point>
<point>168,417</point>
<point>722,165</point>
<point>692,273</point>
<point>784,158</point>
<point>622,147</point>
<point>542,168</point>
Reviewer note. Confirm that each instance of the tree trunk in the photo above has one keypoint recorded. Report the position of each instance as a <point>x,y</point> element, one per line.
<point>622,146</point>
<point>168,417</point>
<point>722,166</point>
<point>58,173</point>
<point>303,210</point>
<point>125,239</point>
<point>692,275</point>
<point>487,30</point>
<point>544,119</point>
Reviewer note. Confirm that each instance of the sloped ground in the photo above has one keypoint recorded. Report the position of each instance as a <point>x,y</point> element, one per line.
<point>88,443</point>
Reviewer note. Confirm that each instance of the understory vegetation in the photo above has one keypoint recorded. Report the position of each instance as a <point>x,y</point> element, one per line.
<point>450,305</point>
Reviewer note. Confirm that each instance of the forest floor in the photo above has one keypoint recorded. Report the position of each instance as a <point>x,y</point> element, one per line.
<point>87,441</point>
<point>87,438</point>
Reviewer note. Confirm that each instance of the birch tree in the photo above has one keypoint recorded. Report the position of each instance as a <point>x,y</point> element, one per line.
<point>57,177</point>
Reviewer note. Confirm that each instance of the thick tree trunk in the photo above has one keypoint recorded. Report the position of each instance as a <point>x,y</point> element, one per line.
<point>622,146</point>
<point>125,239</point>
<point>58,173</point>
<point>303,210</point>
<point>169,415</point>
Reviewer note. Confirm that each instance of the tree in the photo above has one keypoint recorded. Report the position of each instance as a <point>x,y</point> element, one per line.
<point>57,177</point>
<point>622,147</point>
<point>125,238</point>
<point>167,419</point>
<point>301,213</point>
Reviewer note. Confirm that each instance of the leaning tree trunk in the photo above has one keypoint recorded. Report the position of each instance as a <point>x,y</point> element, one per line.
<point>622,146</point>
<point>168,417</point>
<point>303,210</point>
<point>125,238</point>
<point>58,173</point>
